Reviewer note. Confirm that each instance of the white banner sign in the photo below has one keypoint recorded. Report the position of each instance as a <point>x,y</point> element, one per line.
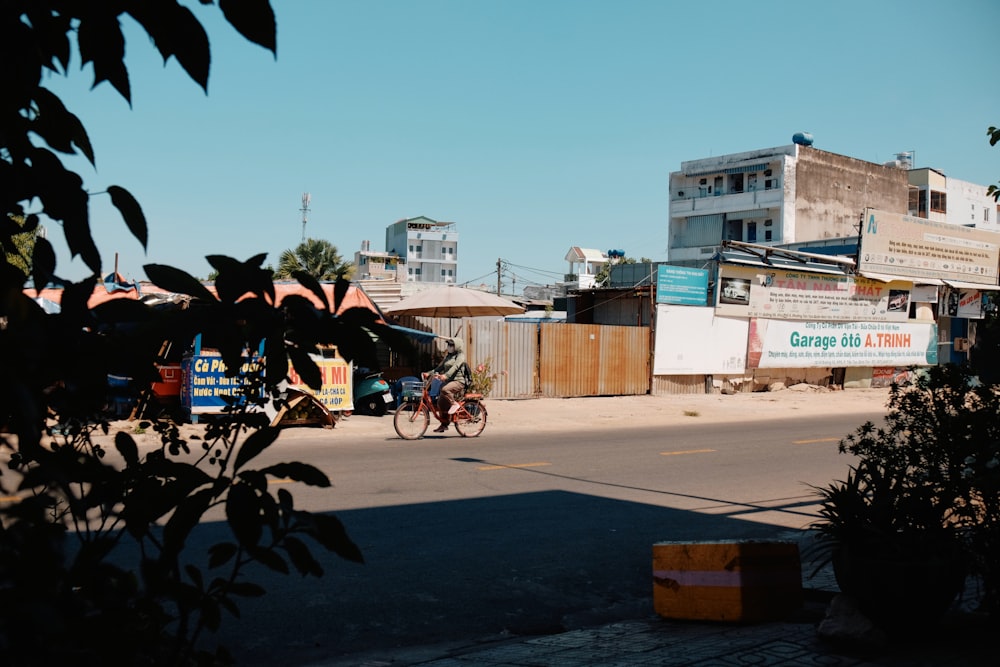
<point>784,344</point>
<point>901,245</point>
<point>694,341</point>
<point>797,295</point>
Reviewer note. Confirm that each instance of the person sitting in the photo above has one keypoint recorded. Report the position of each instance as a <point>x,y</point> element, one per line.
<point>451,372</point>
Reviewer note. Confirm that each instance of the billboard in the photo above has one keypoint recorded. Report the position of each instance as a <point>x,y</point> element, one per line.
<point>750,291</point>
<point>680,285</point>
<point>784,344</point>
<point>695,341</point>
<point>901,245</point>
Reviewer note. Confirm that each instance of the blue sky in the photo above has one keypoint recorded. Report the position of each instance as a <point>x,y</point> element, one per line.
<point>535,125</point>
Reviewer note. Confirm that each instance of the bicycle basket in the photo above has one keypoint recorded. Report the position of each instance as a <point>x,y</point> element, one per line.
<point>412,390</point>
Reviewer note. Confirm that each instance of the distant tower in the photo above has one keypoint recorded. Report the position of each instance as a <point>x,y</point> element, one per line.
<point>306,198</point>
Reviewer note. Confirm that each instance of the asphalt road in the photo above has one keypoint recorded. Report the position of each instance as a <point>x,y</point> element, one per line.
<point>521,532</point>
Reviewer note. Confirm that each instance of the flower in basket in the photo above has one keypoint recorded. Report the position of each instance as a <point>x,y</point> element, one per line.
<point>483,378</point>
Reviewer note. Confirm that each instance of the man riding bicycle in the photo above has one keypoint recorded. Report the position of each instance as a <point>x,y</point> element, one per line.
<point>452,372</point>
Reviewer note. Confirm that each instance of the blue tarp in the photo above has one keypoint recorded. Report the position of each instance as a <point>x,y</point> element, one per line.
<point>419,336</point>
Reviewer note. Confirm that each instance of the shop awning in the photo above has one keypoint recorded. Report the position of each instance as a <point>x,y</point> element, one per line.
<point>416,334</point>
<point>964,285</point>
<point>886,278</point>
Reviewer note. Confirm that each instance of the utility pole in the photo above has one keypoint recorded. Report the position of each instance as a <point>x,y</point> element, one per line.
<point>498,276</point>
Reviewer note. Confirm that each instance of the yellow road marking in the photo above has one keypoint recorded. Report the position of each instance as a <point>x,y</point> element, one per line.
<point>689,451</point>
<point>514,465</point>
<point>281,481</point>
<point>9,499</point>
<point>810,442</point>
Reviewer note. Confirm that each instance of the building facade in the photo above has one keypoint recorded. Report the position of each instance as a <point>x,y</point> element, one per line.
<point>428,248</point>
<point>378,265</point>
<point>934,196</point>
<point>775,196</point>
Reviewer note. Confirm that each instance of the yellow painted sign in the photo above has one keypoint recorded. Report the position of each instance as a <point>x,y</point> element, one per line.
<point>336,391</point>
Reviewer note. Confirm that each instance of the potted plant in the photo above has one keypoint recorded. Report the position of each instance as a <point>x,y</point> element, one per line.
<point>891,546</point>
<point>919,508</point>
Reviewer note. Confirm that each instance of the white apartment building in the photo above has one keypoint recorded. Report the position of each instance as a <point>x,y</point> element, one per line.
<point>794,195</point>
<point>429,249</point>
<point>775,196</point>
<point>936,197</point>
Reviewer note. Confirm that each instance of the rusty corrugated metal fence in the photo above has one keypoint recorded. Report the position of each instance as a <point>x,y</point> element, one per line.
<point>550,360</point>
<point>593,360</point>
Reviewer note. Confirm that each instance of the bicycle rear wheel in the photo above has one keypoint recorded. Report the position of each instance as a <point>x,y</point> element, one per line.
<point>471,419</point>
<point>411,420</point>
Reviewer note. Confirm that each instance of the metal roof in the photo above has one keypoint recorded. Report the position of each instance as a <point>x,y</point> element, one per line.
<point>736,252</point>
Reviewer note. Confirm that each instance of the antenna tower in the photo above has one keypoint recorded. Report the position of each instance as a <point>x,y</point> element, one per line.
<point>306,198</point>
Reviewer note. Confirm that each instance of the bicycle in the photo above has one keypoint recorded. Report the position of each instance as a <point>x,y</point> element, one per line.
<point>413,415</point>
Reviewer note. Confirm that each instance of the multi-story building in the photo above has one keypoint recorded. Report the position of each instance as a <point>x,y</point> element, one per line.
<point>775,196</point>
<point>936,197</point>
<point>378,265</point>
<point>429,249</point>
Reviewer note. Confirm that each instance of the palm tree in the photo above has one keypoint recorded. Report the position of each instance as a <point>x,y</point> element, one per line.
<point>316,257</point>
<point>19,255</point>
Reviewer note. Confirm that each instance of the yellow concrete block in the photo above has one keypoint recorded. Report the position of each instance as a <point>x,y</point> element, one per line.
<point>739,580</point>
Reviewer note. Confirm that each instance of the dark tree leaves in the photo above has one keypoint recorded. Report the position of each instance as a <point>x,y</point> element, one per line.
<point>131,212</point>
<point>175,280</point>
<point>254,19</point>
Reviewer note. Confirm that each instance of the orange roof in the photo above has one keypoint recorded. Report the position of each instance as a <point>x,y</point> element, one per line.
<point>99,295</point>
<point>354,298</point>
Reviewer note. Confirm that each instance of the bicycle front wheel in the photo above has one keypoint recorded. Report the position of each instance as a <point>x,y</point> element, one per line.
<point>471,419</point>
<point>411,420</point>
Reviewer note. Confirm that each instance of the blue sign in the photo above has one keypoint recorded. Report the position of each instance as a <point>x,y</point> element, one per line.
<point>681,285</point>
<point>204,382</point>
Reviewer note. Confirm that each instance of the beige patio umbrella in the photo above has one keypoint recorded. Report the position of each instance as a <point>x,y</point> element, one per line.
<point>451,301</point>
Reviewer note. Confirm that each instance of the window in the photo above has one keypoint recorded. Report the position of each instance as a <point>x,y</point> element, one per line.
<point>737,182</point>
<point>751,232</point>
<point>939,202</point>
<point>922,204</point>
<point>986,215</point>
<point>734,230</point>
<point>768,231</point>
<point>770,184</point>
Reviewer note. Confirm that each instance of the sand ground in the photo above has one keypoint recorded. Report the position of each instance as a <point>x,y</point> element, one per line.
<point>603,412</point>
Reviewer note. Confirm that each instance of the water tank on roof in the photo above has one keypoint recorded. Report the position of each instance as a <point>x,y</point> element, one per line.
<point>803,138</point>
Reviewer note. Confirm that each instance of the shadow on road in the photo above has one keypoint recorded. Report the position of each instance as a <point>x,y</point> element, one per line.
<point>481,568</point>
